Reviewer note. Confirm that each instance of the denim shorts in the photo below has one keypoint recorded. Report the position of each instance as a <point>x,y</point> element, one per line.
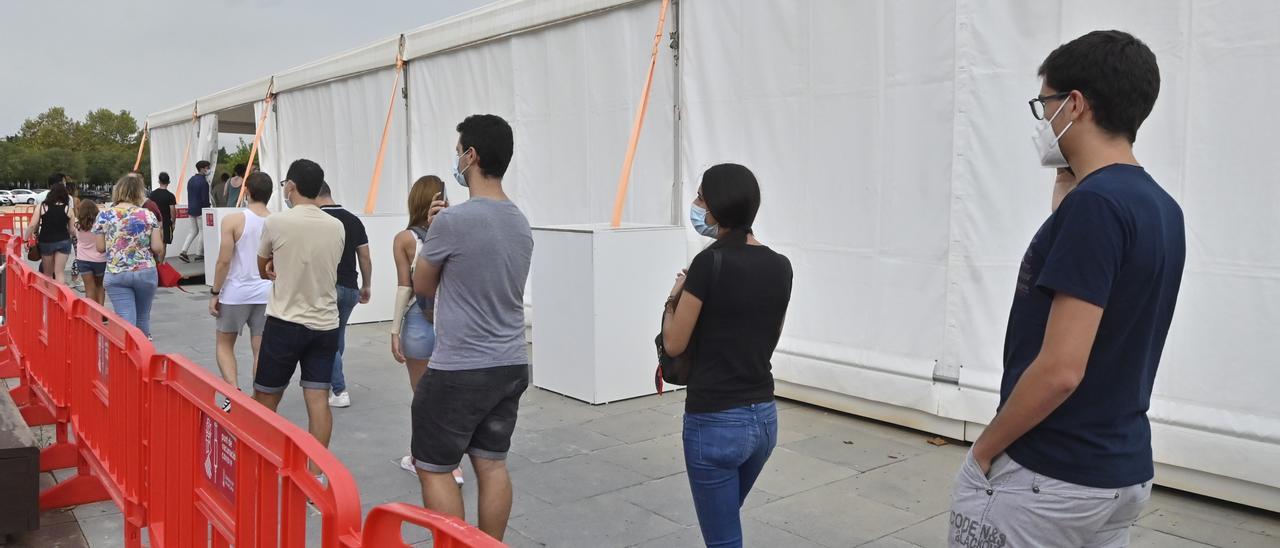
<point>418,336</point>
<point>48,249</point>
<point>285,345</point>
<point>465,412</point>
<point>99,270</point>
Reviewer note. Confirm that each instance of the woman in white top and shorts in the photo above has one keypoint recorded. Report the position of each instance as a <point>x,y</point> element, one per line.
<point>239,294</point>
<point>413,333</point>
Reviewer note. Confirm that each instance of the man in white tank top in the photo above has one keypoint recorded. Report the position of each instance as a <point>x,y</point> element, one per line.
<point>239,294</point>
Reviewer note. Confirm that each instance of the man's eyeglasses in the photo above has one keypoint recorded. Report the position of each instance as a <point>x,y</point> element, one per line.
<point>1038,104</point>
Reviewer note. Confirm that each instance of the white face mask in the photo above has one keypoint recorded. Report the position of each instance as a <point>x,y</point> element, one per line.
<point>1047,142</point>
<point>457,173</point>
<point>698,217</point>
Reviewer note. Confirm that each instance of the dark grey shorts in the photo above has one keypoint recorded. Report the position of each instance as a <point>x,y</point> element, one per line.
<point>465,412</point>
<point>233,317</point>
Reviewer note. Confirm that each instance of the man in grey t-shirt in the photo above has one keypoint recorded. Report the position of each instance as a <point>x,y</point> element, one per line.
<point>474,263</point>
<point>487,245</point>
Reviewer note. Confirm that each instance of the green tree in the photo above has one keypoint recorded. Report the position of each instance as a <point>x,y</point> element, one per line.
<point>51,129</point>
<point>240,156</point>
<point>104,165</point>
<point>93,152</point>
<point>8,162</point>
<point>63,160</point>
<point>32,166</point>
<point>105,128</point>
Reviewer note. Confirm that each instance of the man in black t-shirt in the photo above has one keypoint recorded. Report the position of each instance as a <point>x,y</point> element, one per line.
<point>168,204</point>
<point>1067,460</point>
<point>356,249</point>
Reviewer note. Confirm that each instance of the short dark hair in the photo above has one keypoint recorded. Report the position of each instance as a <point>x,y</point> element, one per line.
<point>164,178</point>
<point>307,176</point>
<point>57,178</point>
<point>260,186</point>
<point>732,195</point>
<point>57,194</point>
<point>324,190</point>
<point>225,176</point>
<point>239,170</point>
<point>491,136</point>
<point>1115,72</point>
<point>202,164</point>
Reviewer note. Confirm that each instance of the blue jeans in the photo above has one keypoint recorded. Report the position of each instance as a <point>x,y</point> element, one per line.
<point>724,453</point>
<point>131,294</point>
<point>347,299</point>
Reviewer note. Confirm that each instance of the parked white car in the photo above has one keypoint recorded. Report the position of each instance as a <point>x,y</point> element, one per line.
<point>23,196</point>
<point>6,197</point>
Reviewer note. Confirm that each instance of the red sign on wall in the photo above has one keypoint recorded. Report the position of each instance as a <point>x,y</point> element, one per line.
<point>219,452</point>
<point>208,219</point>
<point>182,212</point>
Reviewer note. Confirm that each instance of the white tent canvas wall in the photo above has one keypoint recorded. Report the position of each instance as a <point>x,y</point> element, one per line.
<point>892,145</point>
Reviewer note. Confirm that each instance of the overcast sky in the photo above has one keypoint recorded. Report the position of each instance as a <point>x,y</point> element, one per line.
<point>147,55</point>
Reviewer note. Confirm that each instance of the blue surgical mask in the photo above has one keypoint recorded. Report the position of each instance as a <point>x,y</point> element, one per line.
<point>698,216</point>
<point>457,175</point>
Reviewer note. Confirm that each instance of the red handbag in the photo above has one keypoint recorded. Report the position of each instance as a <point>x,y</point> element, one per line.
<point>168,275</point>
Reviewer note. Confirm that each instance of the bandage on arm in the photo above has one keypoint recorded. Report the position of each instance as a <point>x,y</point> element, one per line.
<point>403,296</point>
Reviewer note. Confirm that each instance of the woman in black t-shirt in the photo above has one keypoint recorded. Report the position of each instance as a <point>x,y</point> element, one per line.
<point>728,311</point>
<point>51,228</point>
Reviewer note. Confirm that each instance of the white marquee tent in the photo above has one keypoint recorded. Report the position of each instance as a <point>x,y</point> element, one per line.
<point>891,140</point>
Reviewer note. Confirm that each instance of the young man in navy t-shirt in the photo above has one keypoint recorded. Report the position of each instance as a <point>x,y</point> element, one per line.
<point>197,200</point>
<point>1067,459</point>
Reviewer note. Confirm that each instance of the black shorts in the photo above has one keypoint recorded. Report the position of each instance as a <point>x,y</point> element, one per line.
<point>465,412</point>
<point>168,232</point>
<point>284,346</point>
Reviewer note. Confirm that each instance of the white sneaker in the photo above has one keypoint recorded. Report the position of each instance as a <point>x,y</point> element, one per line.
<point>406,463</point>
<point>324,483</point>
<point>340,400</point>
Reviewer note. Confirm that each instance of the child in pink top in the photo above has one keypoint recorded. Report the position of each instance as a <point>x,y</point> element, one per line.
<point>91,263</point>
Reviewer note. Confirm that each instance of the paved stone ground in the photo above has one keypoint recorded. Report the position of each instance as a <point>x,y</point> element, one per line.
<point>613,475</point>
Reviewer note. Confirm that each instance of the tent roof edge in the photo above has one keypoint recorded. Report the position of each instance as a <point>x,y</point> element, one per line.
<point>501,18</point>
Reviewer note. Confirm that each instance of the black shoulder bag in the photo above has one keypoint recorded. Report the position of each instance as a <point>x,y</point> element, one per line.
<point>675,370</point>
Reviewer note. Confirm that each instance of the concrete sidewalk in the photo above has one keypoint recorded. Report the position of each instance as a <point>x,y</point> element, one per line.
<point>613,475</point>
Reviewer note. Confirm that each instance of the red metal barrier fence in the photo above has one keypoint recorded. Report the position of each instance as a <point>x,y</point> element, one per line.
<point>148,434</point>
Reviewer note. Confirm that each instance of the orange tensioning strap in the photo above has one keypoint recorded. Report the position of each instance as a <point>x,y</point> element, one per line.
<point>625,179</point>
<point>186,155</point>
<point>138,162</point>
<point>372,199</point>
<point>257,138</point>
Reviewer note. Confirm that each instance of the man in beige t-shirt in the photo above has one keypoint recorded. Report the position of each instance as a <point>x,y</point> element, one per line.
<point>300,251</point>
